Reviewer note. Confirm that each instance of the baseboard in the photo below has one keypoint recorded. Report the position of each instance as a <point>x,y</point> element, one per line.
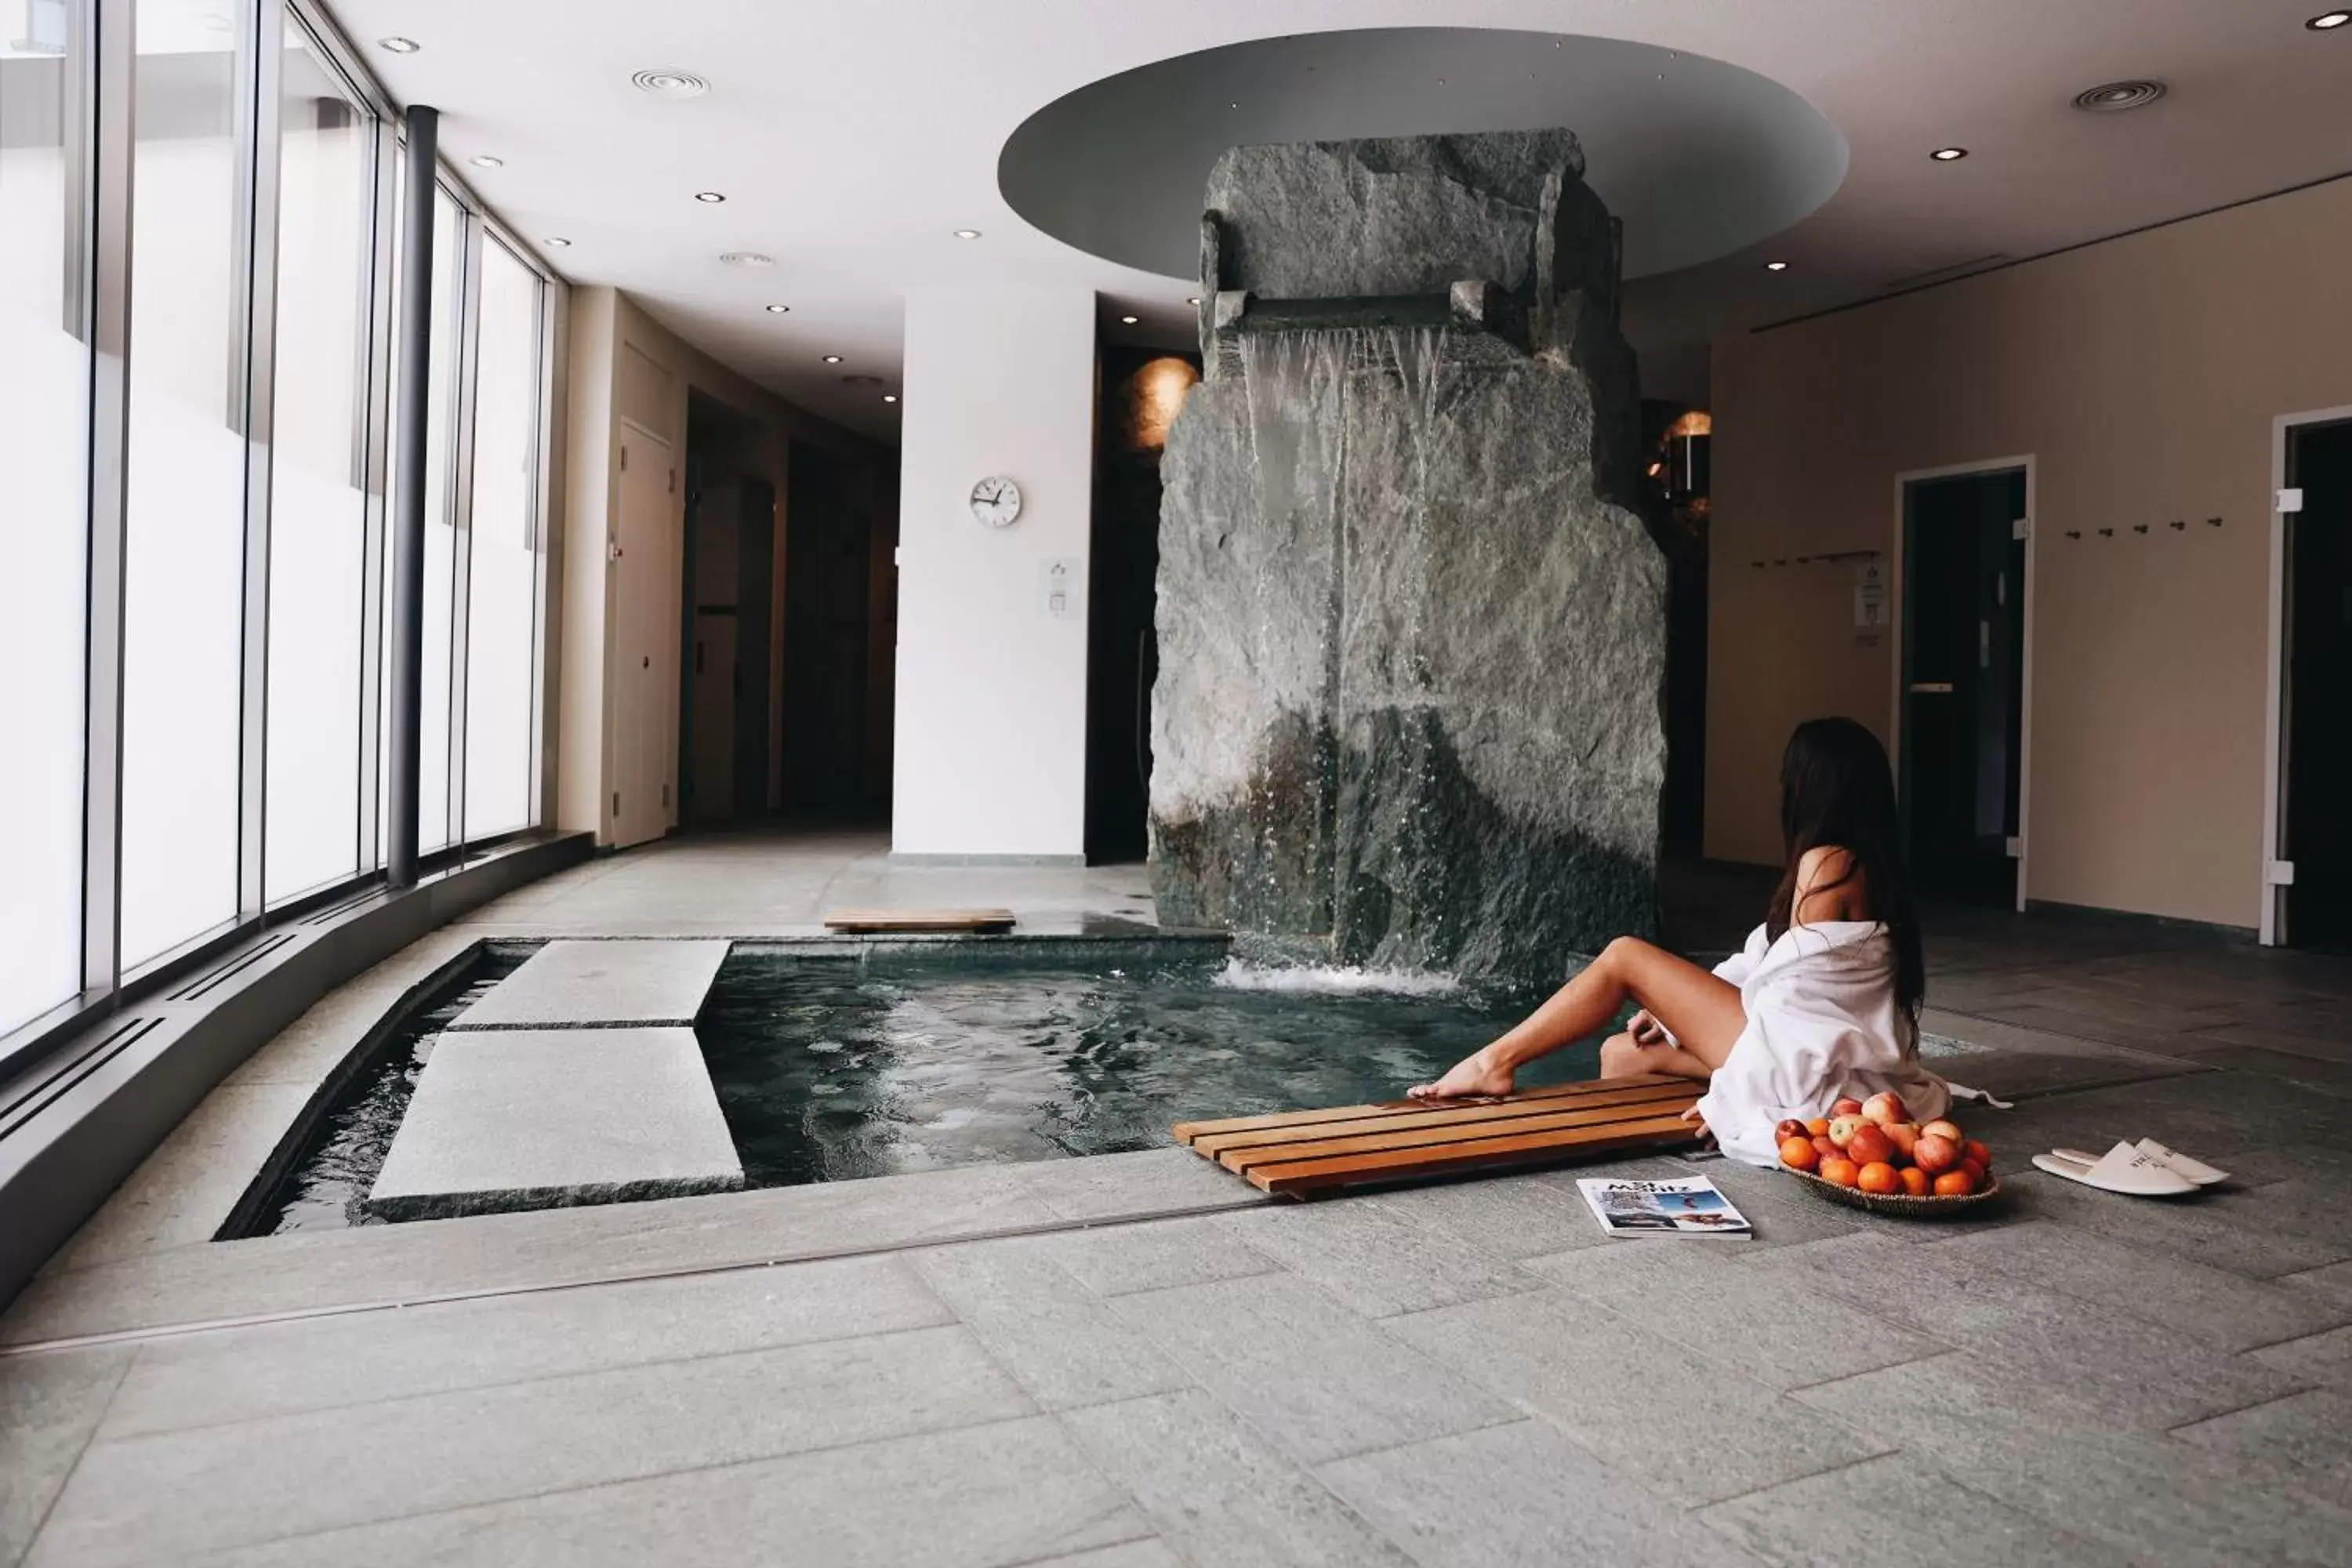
<point>1032,862</point>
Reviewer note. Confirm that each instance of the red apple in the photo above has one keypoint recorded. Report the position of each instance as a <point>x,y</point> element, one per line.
<point>1904,1134</point>
<point>1935,1153</point>
<point>1848,1106</point>
<point>1870,1145</point>
<point>1973,1149</point>
<point>1828,1151</point>
<point>1884,1109</point>
<point>1945,1130</point>
<point>1789,1127</point>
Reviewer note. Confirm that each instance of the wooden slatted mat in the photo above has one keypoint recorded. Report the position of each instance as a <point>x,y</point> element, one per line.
<point>918,919</point>
<point>1307,1153</point>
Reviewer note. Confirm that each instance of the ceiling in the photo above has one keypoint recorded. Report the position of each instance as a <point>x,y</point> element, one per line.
<point>852,140</point>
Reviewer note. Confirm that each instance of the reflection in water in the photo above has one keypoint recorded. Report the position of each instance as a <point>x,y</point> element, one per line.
<point>833,1071</point>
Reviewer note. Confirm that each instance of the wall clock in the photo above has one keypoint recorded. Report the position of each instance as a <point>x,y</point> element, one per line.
<point>996,502</point>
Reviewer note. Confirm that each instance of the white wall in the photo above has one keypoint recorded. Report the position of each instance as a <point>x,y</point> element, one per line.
<point>992,691</point>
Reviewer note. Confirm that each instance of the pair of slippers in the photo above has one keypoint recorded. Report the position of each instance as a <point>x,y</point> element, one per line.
<point>2145,1170</point>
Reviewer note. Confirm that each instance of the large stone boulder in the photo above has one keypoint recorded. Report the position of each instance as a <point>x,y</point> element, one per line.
<point>1411,642</point>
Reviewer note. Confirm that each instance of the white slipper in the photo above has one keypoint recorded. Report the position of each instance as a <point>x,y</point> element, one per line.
<point>2123,1168</point>
<point>2196,1172</point>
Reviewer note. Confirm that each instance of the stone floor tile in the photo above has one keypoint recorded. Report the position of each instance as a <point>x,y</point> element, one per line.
<point>1150,1182</point>
<point>1312,1376</point>
<point>2133,1371</point>
<point>1115,1259</point>
<point>2323,1358</point>
<point>2331,1075</point>
<point>650,983</point>
<point>1216,1491</point>
<point>2247,1231</point>
<point>1012,1492</point>
<point>2306,1437</point>
<point>2228,1310</point>
<point>1778,1329</point>
<point>1053,1334</point>
<point>1378,1258</point>
<point>1785,1214</point>
<point>1632,1394</point>
<point>284,1369</point>
<point>2334,1280</point>
<point>1523,1493</point>
<point>1816,1521</point>
<point>237,1485</point>
<point>2149,1496</point>
<point>49,1406</point>
<point>1517,1216</point>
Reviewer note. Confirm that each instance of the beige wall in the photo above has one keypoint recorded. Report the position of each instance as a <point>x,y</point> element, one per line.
<point>622,364</point>
<point>2143,375</point>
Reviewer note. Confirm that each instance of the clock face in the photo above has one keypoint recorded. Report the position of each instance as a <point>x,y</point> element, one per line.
<point>996,502</point>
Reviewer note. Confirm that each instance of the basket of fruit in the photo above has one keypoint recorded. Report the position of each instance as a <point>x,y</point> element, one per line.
<point>1869,1154</point>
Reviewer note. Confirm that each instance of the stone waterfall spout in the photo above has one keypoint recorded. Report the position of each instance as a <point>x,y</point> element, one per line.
<point>1411,642</point>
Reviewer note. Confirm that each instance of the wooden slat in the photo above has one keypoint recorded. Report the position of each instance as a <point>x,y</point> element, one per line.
<point>1458,1120</point>
<point>1187,1131</point>
<point>1243,1160</point>
<point>1305,1177</point>
<point>918,919</point>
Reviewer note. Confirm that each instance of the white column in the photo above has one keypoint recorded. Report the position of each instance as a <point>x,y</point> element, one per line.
<point>992,678</point>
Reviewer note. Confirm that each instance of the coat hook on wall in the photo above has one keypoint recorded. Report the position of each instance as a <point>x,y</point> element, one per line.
<point>2139,528</point>
<point>2073,534</point>
<point>2106,533</point>
<point>2177,526</point>
<point>2213,523</point>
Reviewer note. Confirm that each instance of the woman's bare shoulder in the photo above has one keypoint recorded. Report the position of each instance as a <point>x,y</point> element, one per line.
<point>1829,886</point>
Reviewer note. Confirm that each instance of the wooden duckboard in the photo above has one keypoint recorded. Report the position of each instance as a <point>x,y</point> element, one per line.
<point>875,921</point>
<point>1311,1153</point>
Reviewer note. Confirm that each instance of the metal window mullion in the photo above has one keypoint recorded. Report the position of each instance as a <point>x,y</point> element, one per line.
<point>542,449</point>
<point>376,418</point>
<point>261,60</point>
<point>405,593</point>
<point>108,72</point>
<point>461,509</point>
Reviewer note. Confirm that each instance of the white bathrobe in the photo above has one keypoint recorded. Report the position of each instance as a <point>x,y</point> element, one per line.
<point>1822,1024</point>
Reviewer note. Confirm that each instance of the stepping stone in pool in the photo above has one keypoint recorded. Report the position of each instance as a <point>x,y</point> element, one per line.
<point>517,1119</point>
<point>576,983</point>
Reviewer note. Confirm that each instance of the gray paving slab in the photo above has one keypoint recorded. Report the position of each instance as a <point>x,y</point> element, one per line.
<point>1012,1492</point>
<point>1117,1260</point>
<point>1378,1258</point>
<point>2224,1309</point>
<point>1781,1331</point>
<point>2136,1371</point>
<point>2306,1437</point>
<point>2147,1495</point>
<point>2324,1358</point>
<point>2334,1280</point>
<point>2260,1232</point>
<point>1051,1333</point>
<point>1147,1182</point>
<point>1523,1493</point>
<point>2318,1074</point>
<point>324,1364</point>
<point>218,1486</point>
<point>1785,1211</point>
<point>576,983</point>
<point>1316,1379</point>
<point>322,1269</point>
<point>1633,1393</point>
<point>1217,1491</point>
<point>49,1409</point>
<point>510,1118</point>
<point>1813,1520</point>
<point>1521,1216</point>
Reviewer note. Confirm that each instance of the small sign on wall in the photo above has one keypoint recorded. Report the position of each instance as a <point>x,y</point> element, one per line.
<point>1060,586</point>
<point>1870,594</point>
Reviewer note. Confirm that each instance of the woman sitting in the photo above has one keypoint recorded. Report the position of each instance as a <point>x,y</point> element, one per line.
<point>1823,1002</point>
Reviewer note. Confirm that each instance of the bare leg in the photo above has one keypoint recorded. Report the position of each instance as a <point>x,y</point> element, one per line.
<point>1702,1010</point>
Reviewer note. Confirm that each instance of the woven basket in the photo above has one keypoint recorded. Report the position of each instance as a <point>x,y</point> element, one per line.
<point>1899,1203</point>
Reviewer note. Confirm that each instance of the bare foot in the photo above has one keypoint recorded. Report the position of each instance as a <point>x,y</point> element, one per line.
<point>1469,1078</point>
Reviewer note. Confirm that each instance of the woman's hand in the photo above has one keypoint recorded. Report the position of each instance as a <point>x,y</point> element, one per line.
<point>1647,1030</point>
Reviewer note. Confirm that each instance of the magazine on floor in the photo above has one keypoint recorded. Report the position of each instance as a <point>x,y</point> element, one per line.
<point>1687,1206</point>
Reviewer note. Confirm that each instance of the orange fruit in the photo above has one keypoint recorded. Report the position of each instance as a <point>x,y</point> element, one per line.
<point>1955,1183</point>
<point>1975,1149</point>
<point>1818,1126</point>
<point>1840,1170</point>
<point>1878,1176</point>
<point>1914,1180</point>
<point>1799,1153</point>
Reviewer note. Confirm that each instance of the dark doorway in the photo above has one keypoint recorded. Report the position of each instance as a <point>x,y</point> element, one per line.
<point>729,601</point>
<point>828,616</point>
<point>1964,681</point>
<point>2315,797</point>
<point>1143,390</point>
<point>1675,503</point>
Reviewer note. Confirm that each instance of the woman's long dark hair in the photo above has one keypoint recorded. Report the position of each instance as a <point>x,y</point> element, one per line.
<point>1836,789</point>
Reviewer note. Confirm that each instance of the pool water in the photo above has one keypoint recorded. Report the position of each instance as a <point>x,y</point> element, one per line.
<point>829,1070</point>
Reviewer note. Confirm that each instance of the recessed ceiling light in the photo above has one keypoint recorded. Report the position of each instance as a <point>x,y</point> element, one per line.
<point>669,83</point>
<point>1949,154</point>
<point>559,242</point>
<point>746,258</point>
<point>889,398</point>
<point>1194,300</point>
<point>2115,97</point>
<point>713,197</point>
<point>1776,266</point>
<point>484,161</point>
<point>399,46</point>
<point>967,233</point>
<point>833,359</point>
<point>2328,21</point>
<point>1130,320</point>
<point>778,310</point>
